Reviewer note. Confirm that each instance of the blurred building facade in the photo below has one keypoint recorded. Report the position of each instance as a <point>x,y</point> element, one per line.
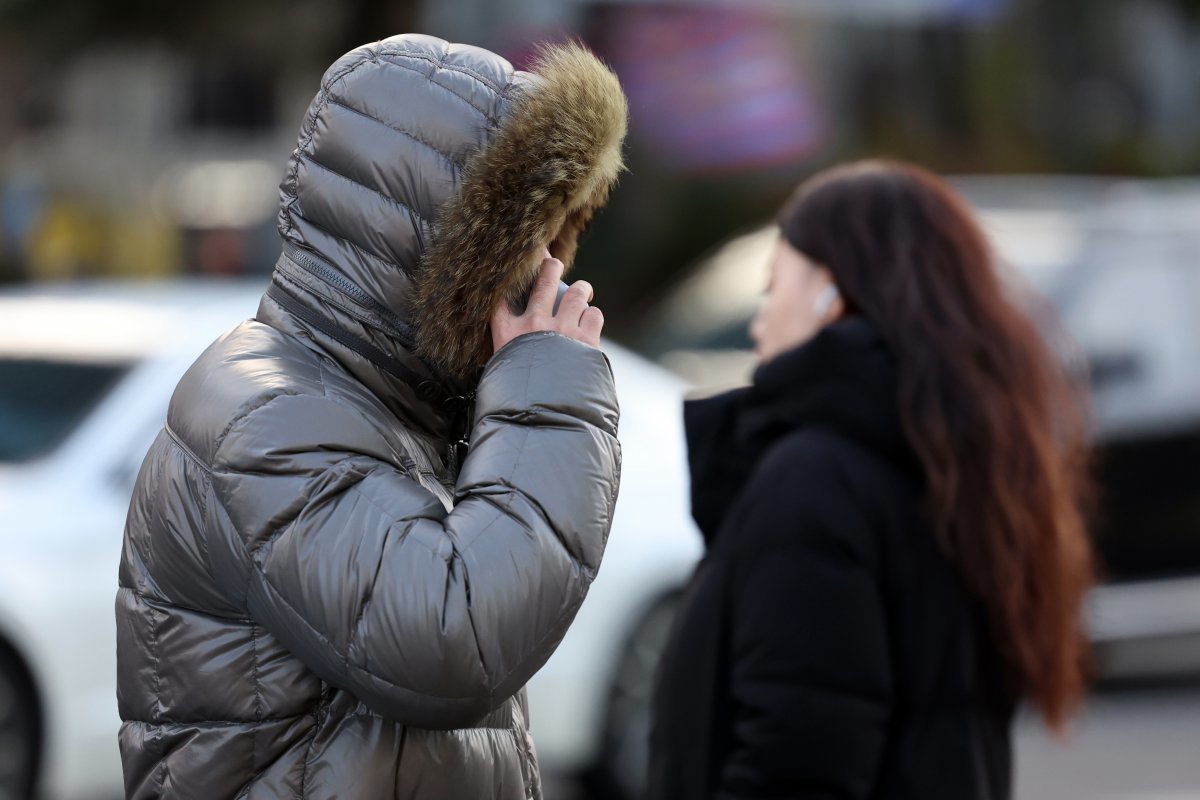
<point>138,143</point>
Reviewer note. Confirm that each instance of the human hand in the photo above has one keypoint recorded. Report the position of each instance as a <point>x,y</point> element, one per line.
<point>574,318</point>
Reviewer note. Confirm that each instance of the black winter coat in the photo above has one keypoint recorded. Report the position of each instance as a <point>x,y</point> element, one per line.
<point>825,648</point>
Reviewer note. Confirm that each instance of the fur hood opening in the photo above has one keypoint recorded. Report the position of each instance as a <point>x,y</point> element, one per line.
<point>549,167</point>
<point>426,180</point>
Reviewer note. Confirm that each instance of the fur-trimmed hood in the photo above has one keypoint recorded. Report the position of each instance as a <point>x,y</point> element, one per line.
<point>430,175</point>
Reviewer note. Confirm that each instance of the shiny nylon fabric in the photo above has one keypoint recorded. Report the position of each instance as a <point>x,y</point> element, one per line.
<point>313,602</point>
<point>383,147</point>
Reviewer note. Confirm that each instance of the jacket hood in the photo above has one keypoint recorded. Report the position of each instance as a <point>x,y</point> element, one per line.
<point>427,178</point>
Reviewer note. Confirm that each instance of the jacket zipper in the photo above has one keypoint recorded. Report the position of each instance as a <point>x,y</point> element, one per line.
<point>401,329</point>
<point>460,406</point>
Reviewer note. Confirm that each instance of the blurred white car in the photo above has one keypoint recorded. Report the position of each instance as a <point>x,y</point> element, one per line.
<point>86,372</point>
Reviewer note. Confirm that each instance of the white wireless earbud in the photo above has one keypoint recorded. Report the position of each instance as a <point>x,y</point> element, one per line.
<point>825,301</point>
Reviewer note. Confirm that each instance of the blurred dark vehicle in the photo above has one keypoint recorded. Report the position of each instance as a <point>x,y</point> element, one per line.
<point>1119,263</point>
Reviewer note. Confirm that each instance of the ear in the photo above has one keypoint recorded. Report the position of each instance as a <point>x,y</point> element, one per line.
<point>829,306</point>
<point>837,307</point>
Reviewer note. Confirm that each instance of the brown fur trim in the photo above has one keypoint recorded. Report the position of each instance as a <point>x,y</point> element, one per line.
<point>549,168</point>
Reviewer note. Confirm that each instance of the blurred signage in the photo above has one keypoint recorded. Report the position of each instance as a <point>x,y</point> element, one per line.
<point>714,90</point>
<point>875,9</point>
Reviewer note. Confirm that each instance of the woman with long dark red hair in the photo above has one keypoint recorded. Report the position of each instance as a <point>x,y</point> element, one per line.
<point>893,512</point>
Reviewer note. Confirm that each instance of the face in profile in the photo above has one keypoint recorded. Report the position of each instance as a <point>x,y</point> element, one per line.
<point>800,299</point>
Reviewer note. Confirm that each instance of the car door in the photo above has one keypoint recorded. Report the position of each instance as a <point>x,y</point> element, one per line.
<point>1135,316</point>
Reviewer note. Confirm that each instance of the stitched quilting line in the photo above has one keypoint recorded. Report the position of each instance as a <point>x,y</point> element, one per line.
<point>442,63</point>
<point>483,112</point>
<point>254,776</point>
<point>258,710</point>
<point>354,668</point>
<point>218,723</point>
<point>257,699</point>
<point>391,265</point>
<point>466,581</point>
<point>157,712</point>
<point>400,539</point>
<point>284,525</point>
<point>287,525</point>
<point>456,166</point>
<point>518,736</point>
<point>308,130</point>
<point>238,542</point>
<point>348,242</point>
<point>404,460</point>
<point>163,605</point>
<point>564,617</point>
<point>438,63</point>
<point>187,451</point>
<point>291,719</point>
<point>326,97</point>
<point>142,545</point>
<point>300,282</point>
<point>307,758</point>
<point>356,628</point>
<point>263,401</point>
<point>270,540</point>
<point>311,159</point>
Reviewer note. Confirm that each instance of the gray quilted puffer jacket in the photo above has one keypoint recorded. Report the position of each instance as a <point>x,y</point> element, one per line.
<point>315,600</point>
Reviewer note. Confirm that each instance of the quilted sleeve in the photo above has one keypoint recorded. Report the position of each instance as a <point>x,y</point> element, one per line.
<point>431,618</point>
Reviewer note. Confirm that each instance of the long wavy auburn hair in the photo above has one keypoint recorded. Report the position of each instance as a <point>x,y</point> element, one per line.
<point>999,428</point>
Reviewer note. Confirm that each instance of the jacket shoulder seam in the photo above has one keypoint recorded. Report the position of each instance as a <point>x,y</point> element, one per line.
<point>187,451</point>
<point>243,415</point>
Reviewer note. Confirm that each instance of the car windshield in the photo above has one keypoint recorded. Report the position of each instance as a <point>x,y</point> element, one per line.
<point>43,400</point>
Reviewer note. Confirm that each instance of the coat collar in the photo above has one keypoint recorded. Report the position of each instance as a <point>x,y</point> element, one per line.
<point>842,381</point>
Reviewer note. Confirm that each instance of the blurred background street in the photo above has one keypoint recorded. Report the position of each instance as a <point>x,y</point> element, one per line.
<point>1131,745</point>
<point>141,148</point>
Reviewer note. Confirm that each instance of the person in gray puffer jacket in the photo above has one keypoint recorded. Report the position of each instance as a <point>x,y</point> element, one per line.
<point>324,591</point>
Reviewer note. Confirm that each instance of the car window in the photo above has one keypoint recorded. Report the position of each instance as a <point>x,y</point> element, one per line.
<point>43,400</point>
<point>1134,315</point>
